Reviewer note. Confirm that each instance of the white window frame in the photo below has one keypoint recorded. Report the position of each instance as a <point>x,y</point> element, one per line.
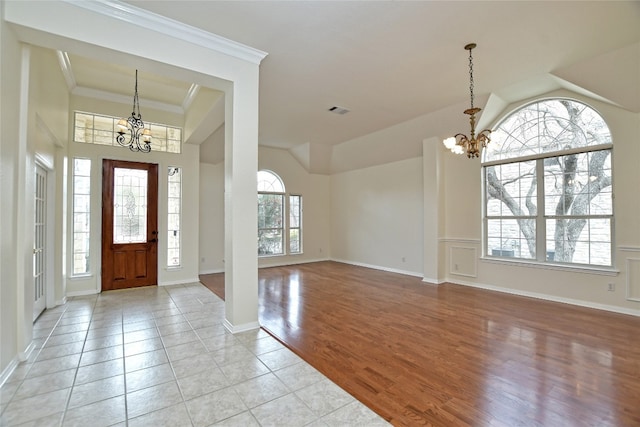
<point>159,132</point>
<point>173,171</point>
<point>74,193</point>
<point>541,217</point>
<point>285,203</point>
<point>290,227</point>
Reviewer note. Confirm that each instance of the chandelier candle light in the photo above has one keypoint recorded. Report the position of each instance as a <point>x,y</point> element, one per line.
<point>460,143</point>
<point>135,127</point>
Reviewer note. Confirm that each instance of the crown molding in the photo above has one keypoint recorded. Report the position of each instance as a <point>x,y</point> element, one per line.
<point>67,71</point>
<point>172,28</point>
<point>190,96</point>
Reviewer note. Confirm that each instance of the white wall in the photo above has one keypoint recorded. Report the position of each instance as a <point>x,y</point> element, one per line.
<point>9,95</point>
<point>211,234</point>
<point>377,216</point>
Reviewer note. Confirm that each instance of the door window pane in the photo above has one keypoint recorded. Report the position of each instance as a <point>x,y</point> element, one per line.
<point>130,205</point>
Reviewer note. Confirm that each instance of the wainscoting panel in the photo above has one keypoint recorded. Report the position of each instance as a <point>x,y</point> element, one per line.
<point>633,279</point>
<point>463,261</point>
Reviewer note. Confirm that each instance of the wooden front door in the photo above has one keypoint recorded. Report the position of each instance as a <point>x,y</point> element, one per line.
<point>129,224</point>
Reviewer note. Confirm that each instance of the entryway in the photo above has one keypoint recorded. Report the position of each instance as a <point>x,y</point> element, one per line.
<point>129,224</point>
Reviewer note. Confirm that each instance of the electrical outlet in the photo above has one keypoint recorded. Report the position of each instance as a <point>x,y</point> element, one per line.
<point>455,267</point>
<point>404,259</point>
<point>202,260</point>
<point>611,287</point>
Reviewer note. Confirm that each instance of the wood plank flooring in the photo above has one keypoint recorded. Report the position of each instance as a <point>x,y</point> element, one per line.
<point>450,355</point>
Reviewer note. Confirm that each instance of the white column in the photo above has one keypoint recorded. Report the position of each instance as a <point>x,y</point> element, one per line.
<point>241,205</point>
<point>431,187</point>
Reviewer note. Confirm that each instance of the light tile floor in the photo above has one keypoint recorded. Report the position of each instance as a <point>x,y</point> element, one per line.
<point>160,356</point>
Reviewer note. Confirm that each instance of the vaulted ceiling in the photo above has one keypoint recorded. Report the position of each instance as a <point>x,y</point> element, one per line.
<point>392,61</point>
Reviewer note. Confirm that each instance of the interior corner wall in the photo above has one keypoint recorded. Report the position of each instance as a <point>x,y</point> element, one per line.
<point>9,100</point>
<point>314,189</point>
<point>211,245</point>
<point>377,217</point>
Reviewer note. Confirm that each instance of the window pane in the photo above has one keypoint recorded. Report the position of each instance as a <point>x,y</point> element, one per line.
<point>270,242</point>
<point>294,241</point>
<point>505,237</point>
<point>130,206</point>
<point>578,184</point>
<point>270,210</point>
<point>547,126</point>
<point>174,208</point>
<point>269,182</point>
<point>81,216</point>
<point>295,224</point>
<point>99,129</point>
<point>294,211</point>
<point>511,189</point>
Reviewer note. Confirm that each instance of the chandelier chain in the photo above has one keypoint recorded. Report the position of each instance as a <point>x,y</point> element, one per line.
<point>471,76</point>
<point>136,103</point>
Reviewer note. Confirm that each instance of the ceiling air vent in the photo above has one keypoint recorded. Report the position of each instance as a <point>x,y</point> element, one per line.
<point>338,110</point>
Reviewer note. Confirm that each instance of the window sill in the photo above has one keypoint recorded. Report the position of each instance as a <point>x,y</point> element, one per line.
<point>603,271</point>
<point>278,255</point>
<point>81,276</point>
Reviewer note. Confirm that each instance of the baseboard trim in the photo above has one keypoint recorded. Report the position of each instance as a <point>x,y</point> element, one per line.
<point>24,355</point>
<point>214,271</point>
<point>180,282</point>
<point>240,328</point>
<point>379,267</point>
<point>6,373</point>
<point>546,297</point>
<point>432,281</point>
<point>80,293</point>
<point>286,263</point>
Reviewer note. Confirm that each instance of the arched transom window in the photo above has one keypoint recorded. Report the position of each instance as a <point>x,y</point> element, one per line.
<point>548,185</point>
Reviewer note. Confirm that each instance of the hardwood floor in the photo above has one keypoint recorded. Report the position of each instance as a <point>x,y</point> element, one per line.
<point>450,355</point>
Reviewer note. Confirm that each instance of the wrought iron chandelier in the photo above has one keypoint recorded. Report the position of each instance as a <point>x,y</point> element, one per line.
<point>132,130</point>
<point>460,143</point>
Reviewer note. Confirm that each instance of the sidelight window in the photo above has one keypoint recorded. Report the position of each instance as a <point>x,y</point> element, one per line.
<point>81,244</point>
<point>174,212</point>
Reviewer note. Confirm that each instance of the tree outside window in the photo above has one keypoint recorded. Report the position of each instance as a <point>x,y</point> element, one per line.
<point>548,185</point>
<point>275,234</point>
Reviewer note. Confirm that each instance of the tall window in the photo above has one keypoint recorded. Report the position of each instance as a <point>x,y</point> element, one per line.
<point>81,216</point>
<point>274,233</point>
<point>90,128</point>
<point>295,224</point>
<point>174,216</point>
<point>548,185</point>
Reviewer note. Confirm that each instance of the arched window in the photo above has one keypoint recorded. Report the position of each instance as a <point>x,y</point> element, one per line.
<point>272,211</point>
<point>548,185</point>
<point>269,182</point>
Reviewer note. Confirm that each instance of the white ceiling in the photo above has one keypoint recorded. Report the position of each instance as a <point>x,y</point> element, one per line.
<point>391,61</point>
